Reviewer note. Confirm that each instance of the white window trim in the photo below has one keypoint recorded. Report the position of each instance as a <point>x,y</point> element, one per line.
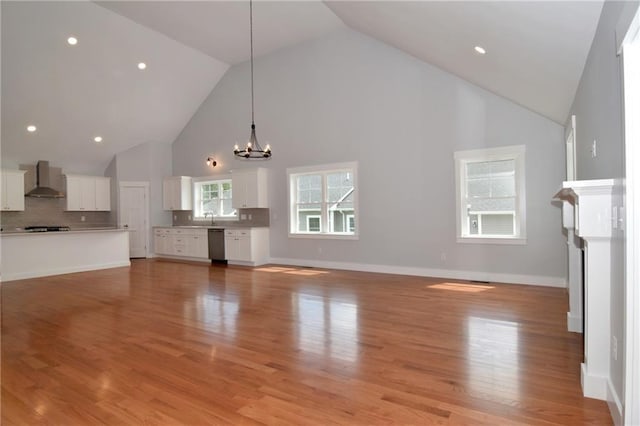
<point>515,152</point>
<point>293,171</point>
<point>202,179</point>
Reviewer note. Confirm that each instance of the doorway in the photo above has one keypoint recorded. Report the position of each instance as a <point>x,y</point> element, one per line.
<point>133,214</point>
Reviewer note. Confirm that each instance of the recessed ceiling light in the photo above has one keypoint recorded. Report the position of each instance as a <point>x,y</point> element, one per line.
<point>480,50</point>
<point>142,66</point>
<point>72,41</point>
<point>31,128</point>
<point>98,139</point>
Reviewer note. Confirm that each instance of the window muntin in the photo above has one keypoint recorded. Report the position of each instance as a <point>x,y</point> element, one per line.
<point>491,195</point>
<point>213,198</point>
<point>323,200</point>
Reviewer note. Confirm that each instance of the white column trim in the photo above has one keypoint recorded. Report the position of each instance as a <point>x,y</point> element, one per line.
<point>631,65</point>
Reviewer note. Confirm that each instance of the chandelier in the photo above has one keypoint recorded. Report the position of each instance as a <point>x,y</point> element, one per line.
<point>253,150</point>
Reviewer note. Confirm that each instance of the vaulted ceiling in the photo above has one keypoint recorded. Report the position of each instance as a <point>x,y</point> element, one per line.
<point>535,53</point>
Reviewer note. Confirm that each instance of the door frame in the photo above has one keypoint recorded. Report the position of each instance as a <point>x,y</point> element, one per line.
<point>570,145</point>
<point>631,89</point>
<point>145,186</point>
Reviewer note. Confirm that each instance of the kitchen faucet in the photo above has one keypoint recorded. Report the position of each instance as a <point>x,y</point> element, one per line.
<point>209,214</point>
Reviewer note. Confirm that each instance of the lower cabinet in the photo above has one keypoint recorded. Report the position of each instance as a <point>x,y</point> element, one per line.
<point>181,242</point>
<point>247,246</point>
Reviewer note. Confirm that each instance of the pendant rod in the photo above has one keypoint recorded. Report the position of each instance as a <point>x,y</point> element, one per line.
<point>251,43</point>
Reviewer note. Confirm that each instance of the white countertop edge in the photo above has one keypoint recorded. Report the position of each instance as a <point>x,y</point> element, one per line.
<point>75,231</point>
<point>207,227</point>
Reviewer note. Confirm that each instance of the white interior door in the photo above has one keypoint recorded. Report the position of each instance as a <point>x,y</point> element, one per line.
<point>133,215</point>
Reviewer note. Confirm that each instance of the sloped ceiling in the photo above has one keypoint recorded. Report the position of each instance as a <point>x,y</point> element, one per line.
<point>221,28</point>
<point>74,93</point>
<point>536,50</point>
<point>535,55</point>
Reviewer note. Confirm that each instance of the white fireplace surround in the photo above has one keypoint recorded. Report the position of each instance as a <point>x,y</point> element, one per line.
<point>593,211</point>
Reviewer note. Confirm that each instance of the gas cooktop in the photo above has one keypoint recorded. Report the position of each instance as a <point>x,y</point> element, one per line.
<point>46,228</point>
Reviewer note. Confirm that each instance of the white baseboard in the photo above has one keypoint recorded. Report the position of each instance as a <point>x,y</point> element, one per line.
<point>615,406</point>
<point>58,271</point>
<point>593,386</point>
<point>574,323</point>
<point>185,258</point>
<point>427,272</point>
<point>242,263</point>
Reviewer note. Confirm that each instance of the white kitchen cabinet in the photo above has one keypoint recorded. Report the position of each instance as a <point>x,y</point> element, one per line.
<point>12,188</point>
<point>247,246</point>
<point>161,242</point>
<point>198,245</point>
<point>88,193</point>
<point>177,193</point>
<point>103,193</point>
<point>180,242</point>
<point>249,188</point>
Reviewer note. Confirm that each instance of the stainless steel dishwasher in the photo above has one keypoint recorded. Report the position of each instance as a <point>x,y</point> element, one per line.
<point>216,245</point>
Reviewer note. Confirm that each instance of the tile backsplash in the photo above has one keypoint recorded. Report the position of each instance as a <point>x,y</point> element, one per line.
<point>259,217</point>
<point>50,211</point>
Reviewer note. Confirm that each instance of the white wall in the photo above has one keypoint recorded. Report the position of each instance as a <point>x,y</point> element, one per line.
<point>148,162</point>
<point>598,109</point>
<point>348,97</point>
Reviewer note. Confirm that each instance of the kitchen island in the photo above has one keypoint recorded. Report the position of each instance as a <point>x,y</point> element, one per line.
<point>40,254</point>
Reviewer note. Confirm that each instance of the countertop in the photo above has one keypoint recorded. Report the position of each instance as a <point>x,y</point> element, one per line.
<point>234,226</point>
<point>20,231</point>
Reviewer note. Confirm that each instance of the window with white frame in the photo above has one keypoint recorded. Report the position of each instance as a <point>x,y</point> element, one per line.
<point>323,200</point>
<point>212,199</point>
<point>490,187</point>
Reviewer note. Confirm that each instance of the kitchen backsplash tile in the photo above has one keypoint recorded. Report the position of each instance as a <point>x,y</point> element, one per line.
<point>50,211</point>
<point>259,217</point>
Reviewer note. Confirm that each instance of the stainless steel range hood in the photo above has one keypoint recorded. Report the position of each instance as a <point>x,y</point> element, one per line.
<point>43,183</point>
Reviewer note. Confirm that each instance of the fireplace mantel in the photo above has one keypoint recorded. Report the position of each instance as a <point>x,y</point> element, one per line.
<point>592,209</point>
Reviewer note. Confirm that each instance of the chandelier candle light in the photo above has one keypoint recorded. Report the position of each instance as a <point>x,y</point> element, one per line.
<point>253,150</point>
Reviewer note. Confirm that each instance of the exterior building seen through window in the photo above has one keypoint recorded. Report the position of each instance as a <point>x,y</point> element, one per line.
<point>491,195</point>
<point>323,200</point>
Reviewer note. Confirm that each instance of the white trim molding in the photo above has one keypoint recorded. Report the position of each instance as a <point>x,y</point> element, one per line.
<point>496,277</point>
<point>615,404</point>
<point>596,219</point>
<point>631,66</point>
<point>462,159</point>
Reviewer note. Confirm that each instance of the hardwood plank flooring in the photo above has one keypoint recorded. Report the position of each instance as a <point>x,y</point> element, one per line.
<point>169,343</point>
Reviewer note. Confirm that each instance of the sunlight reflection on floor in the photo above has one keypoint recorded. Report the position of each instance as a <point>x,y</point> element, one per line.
<point>471,288</point>
<point>292,271</point>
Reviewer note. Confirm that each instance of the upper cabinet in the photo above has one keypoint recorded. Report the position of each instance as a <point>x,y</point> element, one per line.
<point>12,188</point>
<point>103,193</point>
<point>249,188</point>
<point>88,193</point>
<point>177,193</point>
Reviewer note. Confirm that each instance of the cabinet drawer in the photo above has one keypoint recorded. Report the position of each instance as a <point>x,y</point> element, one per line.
<point>237,233</point>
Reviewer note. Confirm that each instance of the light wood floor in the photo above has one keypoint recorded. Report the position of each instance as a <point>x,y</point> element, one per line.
<point>169,343</point>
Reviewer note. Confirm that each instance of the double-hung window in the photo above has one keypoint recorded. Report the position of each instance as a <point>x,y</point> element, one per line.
<point>490,187</point>
<point>213,199</point>
<point>323,201</point>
